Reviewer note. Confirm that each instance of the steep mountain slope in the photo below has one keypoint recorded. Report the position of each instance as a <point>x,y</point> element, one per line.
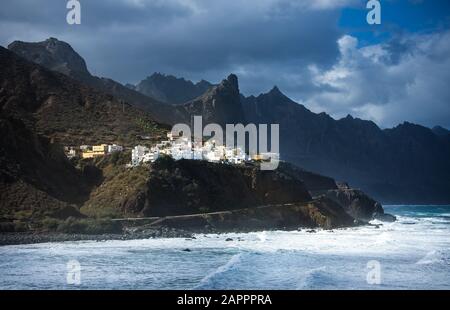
<point>54,55</point>
<point>221,104</point>
<point>61,57</point>
<point>36,178</point>
<point>169,89</point>
<point>61,108</point>
<point>406,164</point>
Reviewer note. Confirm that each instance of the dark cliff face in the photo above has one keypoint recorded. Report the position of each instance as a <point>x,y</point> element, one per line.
<point>196,194</point>
<point>357,204</point>
<point>191,187</point>
<point>220,105</point>
<point>317,184</point>
<point>169,89</point>
<point>323,213</point>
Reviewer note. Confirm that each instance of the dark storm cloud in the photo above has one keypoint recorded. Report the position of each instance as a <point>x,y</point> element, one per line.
<point>128,40</point>
<point>296,45</point>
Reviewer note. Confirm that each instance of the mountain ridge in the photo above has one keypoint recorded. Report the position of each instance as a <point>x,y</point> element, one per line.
<point>170,89</point>
<point>380,161</point>
<point>220,104</point>
<point>59,56</point>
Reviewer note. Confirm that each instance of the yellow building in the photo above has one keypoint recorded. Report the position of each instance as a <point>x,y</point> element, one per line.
<point>96,151</point>
<point>87,154</point>
<point>100,148</point>
<point>257,157</point>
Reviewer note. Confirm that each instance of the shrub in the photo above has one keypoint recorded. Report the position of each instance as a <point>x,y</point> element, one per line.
<point>24,214</point>
<point>20,226</point>
<point>16,226</point>
<point>50,224</point>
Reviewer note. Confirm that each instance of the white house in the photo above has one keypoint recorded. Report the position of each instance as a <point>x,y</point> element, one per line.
<point>142,154</point>
<point>114,148</point>
<point>181,149</point>
<point>184,148</point>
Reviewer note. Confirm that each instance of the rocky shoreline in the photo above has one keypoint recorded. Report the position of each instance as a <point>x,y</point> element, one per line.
<point>322,213</point>
<point>35,238</point>
<point>29,238</point>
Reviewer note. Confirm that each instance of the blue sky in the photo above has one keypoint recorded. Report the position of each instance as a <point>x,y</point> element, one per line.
<point>321,53</point>
<point>398,17</point>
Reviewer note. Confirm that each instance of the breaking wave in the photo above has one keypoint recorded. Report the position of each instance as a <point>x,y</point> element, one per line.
<point>208,281</point>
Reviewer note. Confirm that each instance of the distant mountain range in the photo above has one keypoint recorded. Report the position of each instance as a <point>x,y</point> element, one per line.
<point>406,164</point>
<point>169,89</point>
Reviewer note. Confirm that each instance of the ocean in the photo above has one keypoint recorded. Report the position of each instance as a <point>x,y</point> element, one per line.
<point>412,253</point>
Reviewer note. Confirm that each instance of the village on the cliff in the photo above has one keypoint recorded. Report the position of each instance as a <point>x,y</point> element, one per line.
<point>176,147</point>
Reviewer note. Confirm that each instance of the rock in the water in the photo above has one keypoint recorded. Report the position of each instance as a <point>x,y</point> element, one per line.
<point>356,203</point>
<point>384,217</point>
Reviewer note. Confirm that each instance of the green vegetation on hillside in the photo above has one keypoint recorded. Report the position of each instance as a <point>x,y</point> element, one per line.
<point>118,184</point>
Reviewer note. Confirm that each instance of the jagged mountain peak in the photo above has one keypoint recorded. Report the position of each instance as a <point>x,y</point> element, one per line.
<point>171,89</point>
<point>162,76</point>
<point>56,105</point>
<point>204,83</point>
<point>275,90</point>
<point>275,96</point>
<point>228,86</point>
<point>221,104</point>
<point>233,81</point>
<point>53,54</point>
<point>59,56</point>
<point>276,93</point>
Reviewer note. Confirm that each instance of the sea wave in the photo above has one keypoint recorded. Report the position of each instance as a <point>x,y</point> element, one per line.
<point>434,257</point>
<point>315,278</point>
<point>209,280</point>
